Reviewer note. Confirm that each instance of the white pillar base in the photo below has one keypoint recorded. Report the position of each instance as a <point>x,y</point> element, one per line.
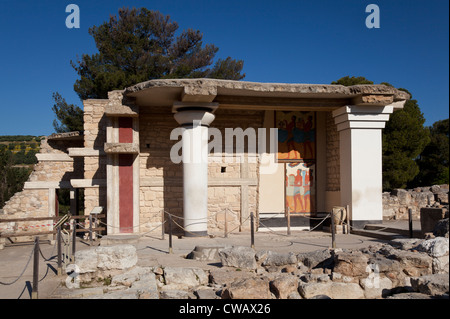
<point>195,122</point>
<point>360,132</point>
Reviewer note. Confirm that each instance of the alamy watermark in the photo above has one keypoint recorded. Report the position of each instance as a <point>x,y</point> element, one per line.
<point>373,280</point>
<point>373,19</point>
<point>73,279</point>
<point>73,19</point>
<point>198,143</point>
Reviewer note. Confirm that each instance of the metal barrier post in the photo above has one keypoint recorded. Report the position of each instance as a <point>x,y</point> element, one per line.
<point>226,224</point>
<point>65,235</point>
<point>252,230</point>
<point>333,231</point>
<point>410,223</point>
<point>34,289</point>
<point>58,243</point>
<point>74,239</point>
<point>347,215</point>
<point>90,229</point>
<point>288,221</point>
<point>170,234</point>
<point>162,224</point>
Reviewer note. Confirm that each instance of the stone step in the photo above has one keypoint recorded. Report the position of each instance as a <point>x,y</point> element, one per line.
<point>400,231</point>
<point>376,234</point>
<point>119,240</point>
<point>278,222</point>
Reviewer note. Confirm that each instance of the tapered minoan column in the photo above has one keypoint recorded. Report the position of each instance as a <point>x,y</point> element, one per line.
<point>360,129</point>
<point>195,120</point>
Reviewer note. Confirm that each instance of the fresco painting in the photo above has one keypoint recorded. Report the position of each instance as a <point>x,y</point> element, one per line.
<point>300,188</point>
<point>296,135</point>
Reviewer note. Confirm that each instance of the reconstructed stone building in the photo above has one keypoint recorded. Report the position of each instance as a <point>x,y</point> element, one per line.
<point>197,148</point>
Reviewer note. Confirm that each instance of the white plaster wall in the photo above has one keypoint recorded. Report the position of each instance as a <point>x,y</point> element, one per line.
<point>361,173</point>
<point>271,191</point>
<point>367,176</point>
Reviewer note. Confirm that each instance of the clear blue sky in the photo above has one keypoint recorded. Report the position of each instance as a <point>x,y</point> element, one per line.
<point>282,41</point>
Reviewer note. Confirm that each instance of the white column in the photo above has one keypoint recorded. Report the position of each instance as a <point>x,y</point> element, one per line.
<point>360,132</point>
<point>195,122</point>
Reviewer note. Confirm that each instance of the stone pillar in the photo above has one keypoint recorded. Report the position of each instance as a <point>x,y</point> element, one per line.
<point>122,174</point>
<point>360,139</point>
<point>195,120</point>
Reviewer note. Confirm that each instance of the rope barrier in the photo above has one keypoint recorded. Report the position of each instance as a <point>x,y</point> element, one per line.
<point>226,210</point>
<point>51,254</point>
<point>193,234</point>
<point>240,224</point>
<point>309,230</point>
<point>23,271</point>
<point>83,226</point>
<point>376,230</point>
<point>328,216</point>
<point>271,230</point>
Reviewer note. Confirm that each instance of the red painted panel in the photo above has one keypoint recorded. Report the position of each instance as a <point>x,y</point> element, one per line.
<point>126,193</point>
<point>125,130</point>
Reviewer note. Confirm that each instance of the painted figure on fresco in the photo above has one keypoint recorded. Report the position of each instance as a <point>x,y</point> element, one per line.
<point>300,187</point>
<point>296,135</point>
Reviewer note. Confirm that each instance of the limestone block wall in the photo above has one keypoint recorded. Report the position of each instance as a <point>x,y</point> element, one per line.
<point>38,198</point>
<point>231,185</point>
<point>397,202</point>
<point>94,123</point>
<point>94,138</point>
<point>333,168</point>
<point>24,204</point>
<point>160,179</point>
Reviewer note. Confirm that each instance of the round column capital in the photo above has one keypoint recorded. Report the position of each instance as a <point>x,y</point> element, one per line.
<point>194,117</point>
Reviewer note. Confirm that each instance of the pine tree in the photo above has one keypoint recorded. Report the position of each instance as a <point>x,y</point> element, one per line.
<point>434,160</point>
<point>404,139</point>
<point>136,46</point>
<point>348,81</point>
<point>140,45</point>
<point>69,117</point>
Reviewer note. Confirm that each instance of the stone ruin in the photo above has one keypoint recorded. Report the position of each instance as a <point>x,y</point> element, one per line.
<point>397,202</point>
<point>402,269</point>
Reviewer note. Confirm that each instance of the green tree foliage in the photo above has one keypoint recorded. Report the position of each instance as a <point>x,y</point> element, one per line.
<point>136,46</point>
<point>69,117</point>
<point>404,139</point>
<point>23,157</point>
<point>18,138</point>
<point>11,178</point>
<point>141,44</point>
<point>348,81</point>
<point>434,160</point>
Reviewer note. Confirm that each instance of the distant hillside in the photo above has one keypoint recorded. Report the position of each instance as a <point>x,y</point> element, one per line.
<point>22,148</point>
<point>20,138</point>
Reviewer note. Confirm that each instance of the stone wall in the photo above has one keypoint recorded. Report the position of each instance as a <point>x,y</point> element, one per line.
<point>161,180</point>
<point>94,138</point>
<point>397,202</point>
<point>53,170</point>
<point>402,269</point>
<point>24,204</point>
<point>333,166</point>
<point>237,197</point>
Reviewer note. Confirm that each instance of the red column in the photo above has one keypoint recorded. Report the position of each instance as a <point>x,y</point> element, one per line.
<point>126,177</point>
<point>126,193</point>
